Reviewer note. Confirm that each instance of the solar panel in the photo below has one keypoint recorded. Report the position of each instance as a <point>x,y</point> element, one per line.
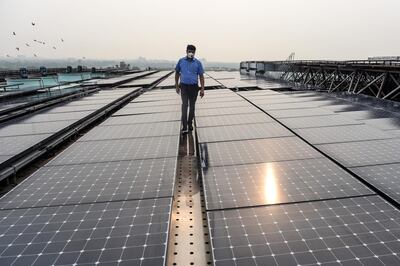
<point>364,153</point>
<point>154,103</point>
<point>284,98</point>
<point>96,182</point>
<point>118,150</point>
<point>142,118</point>
<point>384,123</point>
<point>259,93</point>
<point>318,121</point>
<point>298,112</point>
<point>214,94</point>
<point>124,232</point>
<point>234,83</point>
<point>4,158</point>
<point>84,101</point>
<point>223,104</point>
<point>256,151</point>
<point>341,134</point>
<point>270,98</point>
<point>16,129</point>
<point>236,119</point>
<point>48,117</point>
<point>127,110</point>
<point>384,177</point>
<point>133,131</point>
<point>369,114</point>
<point>17,144</point>
<point>279,182</point>
<point>161,97</point>
<point>211,99</point>
<point>242,132</point>
<point>354,231</point>
<point>285,106</point>
<point>79,108</point>
<point>158,101</point>
<point>302,93</point>
<point>346,107</point>
<point>227,111</point>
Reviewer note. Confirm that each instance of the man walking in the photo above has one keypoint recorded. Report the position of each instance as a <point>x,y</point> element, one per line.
<point>189,70</point>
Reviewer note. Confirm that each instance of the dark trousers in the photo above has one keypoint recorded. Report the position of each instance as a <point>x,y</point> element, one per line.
<point>189,97</point>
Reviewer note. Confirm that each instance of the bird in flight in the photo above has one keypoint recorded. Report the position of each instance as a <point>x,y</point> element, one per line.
<point>17,48</point>
<point>8,55</point>
<point>27,44</point>
<point>62,39</point>
<point>33,23</point>
<point>54,48</point>
<point>34,55</point>
<point>14,33</point>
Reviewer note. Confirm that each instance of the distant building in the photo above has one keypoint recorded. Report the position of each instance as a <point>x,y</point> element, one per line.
<point>123,65</point>
<point>391,58</point>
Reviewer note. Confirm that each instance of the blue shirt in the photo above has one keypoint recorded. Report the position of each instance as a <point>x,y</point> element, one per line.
<point>189,70</point>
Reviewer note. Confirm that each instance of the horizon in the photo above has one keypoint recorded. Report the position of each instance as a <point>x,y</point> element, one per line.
<point>223,31</point>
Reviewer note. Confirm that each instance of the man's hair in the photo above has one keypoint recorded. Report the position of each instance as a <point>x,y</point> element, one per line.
<point>191,47</point>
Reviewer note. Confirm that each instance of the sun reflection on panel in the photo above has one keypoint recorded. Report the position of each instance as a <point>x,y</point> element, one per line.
<point>270,185</point>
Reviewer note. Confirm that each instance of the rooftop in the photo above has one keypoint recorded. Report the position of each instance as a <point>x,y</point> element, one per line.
<point>271,175</point>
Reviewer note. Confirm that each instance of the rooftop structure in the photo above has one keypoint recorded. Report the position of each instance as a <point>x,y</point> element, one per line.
<point>273,174</point>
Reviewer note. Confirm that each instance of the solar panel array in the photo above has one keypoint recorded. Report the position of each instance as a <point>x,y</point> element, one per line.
<point>273,199</point>
<point>29,132</point>
<point>104,200</point>
<point>362,138</point>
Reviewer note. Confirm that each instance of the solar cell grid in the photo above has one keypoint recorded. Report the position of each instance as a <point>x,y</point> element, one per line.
<point>210,99</point>
<point>369,114</point>
<point>242,132</point>
<point>124,233</point>
<point>279,182</point>
<point>384,123</point>
<point>341,134</point>
<point>213,105</point>
<point>142,118</point>
<point>318,121</point>
<point>17,129</point>
<point>153,103</point>
<point>133,131</point>
<point>256,151</point>
<point>363,153</point>
<point>48,117</point>
<point>96,182</point>
<point>298,112</point>
<point>285,106</point>
<point>236,119</point>
<point>384,177</point>
<point>14,145</point>
<point>226,111</point>
<point>131,110</point>
<point>354,231</point>
<point>118,150</point>
<point>74,108</point>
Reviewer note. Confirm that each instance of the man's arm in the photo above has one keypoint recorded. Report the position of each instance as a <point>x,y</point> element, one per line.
<point>201,85</point>
<point>177,75</point>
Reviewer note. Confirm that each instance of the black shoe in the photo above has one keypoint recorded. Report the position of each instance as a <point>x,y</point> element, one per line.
<point>190,127</point>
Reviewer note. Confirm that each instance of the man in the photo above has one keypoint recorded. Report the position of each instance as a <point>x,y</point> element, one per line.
<point>189,70</point>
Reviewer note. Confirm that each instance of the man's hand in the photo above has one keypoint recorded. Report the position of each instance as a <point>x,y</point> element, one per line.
<point>202,93</point>
<point>178,90</point>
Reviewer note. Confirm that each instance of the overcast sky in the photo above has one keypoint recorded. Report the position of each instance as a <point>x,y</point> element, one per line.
<point>222,30</point>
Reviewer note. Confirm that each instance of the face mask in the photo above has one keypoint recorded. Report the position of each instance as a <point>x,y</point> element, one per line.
<point>190,55</point>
